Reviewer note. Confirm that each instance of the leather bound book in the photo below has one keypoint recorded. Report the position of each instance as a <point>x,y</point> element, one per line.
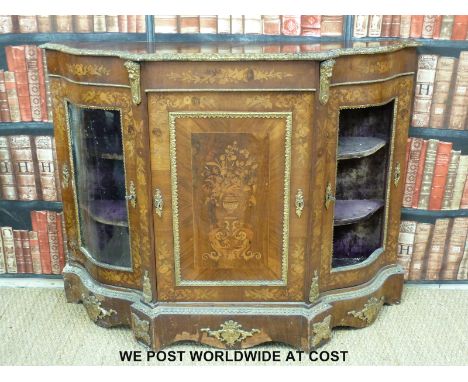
<point>386,26</point>
<point>416,26</point>
<point>291,25</point>
<point>405,26</point>
<point>99,23</point>
<point>39,224</point>
<point>64,23</point>
<point>460,180</point>
<point>422,240</point>
<point>407,153</point>
<point>83,23</point>
<point>464,200</point>
<point>439,178</point>
<point>46,166</point>
<point>4,108</point>
<point>405,244</point>
<point>437,249</point>
<point>237,24</point>
<point>425,77</point>
<point>437,27</point>
<point>53,242</point>
<point>44,23</point>
<point>459,100</point>
<point>9,249</point>
<point>455,249</point>
<point>6,24</point>
<point>253,24</point>
<point>131,23</point>
<point>2,258</point>
<point>12,96</point>
<point>20,264</point>
<point>332,26</point>
<point>428,172</point>
<point>23,165</point>
<point>42,85</point>
<point>27,24</point>
<point>7,176</point>
<point>395,27</point>
<point>140,24</point>
<point>415,154</point>
<point>123,23</point>
<point>16,60</point>
<point>112,23</point>
<point>165,24</point>
<point>310,25</point>
<point>35,252</point>
<point>419,175</point>
<point>451,176</point>
<point>58,185</point>
<point>428,26</point>
<point>361,23</point>
<point>48,116</point>
<point>460,27</point>
<point>446,27</point>
<point>463,268</point>
<point>208,24</point>
<point>271,25</point>
<point>375,26</point>
<point>189,24</point>
<point>224,24</point>
<point>28,265</point>
<point>61,252</point>
<point>33,82</point>
<point>442,86</point>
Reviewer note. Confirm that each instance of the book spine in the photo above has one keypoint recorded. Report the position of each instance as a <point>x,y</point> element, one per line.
<point>58,185</point>
<point>416,26</point>
<point>451,176</point>
<point>253,24</point>
<point>405,26</point>
<point>464,200</point>
<point>27,24</point>
<point>28,264</point>
<point>140,24</point>
<point>44,23</point>
<point>462,173</point>
<point>208,24</point>
<point>291,25</point>
<point>428,26</point>
<point>455,249</point>
<point>437,27</point>
<point>9,249</point>
<point>439,177</point>
<point>2,258</point>
<point>4,108</point>
<point>42,85</point>
<point>61,253</point>
<point>189,24</point>
<point>360,26</point>
<point>123,23</point>
<point>428,172</point>
<point>237,24</point>
<point>332,26</point>
<point>223,24</point>
<point>99,23</point>
<point>165,24</point>
<point>459,108</point>
<point>12,95</point>
<point>437,249</point>
<point>46,166</point>
<point>425,77</point>
<point>33,82</point>
<point>271,25</point>
<point>35,252</point>
<point>7,176</point>
<point>112,23</point>
<point>39,224</point>
<point>419,175</point>
<point>415,154</point>
<point>83,23</point>
<point>21,266</point>
<point>49,115</point>
<point>310,25</point>
<point>422,239</point>
<point>386,26</point>
<point>64,23</point>
<point>460,27</point>
<point>463,268</point>
<point>405,244</point>
<point>442,86</point>
<point>395,27</point>
<point>23,164</point>
<point>131,23</point>
<point>446,27</point>
<point>53,241</point>
<point>6,24</point>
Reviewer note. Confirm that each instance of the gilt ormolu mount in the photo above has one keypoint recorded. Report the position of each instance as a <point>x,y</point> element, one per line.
<point>232,196</point>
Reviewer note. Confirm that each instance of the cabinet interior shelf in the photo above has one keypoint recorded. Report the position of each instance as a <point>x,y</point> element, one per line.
<point>353,211</point>
<point>111,156</point>
<point>110,212</point>
<point>358,147</point>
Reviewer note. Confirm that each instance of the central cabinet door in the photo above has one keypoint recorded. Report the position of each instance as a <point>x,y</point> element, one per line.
<point>225,180</point>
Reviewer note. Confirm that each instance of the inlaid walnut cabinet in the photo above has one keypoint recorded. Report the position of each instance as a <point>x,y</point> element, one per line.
<point>232,194</point>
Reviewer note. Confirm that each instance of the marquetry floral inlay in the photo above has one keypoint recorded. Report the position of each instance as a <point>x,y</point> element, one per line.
<point>82,70</point>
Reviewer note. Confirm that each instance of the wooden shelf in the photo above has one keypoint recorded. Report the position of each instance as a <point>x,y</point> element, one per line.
<point>427,216</point>
<point>353,211</point>
<point>358,147</point>
<point>29,276</point>
<point>27,128</point>
<point>111,156</point>
<point>460,44</point>
<point>110,212</point>
<point>459,138</point>
<point>39,38</point>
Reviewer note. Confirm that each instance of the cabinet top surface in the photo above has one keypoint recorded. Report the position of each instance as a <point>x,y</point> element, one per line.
<point>228,51</point>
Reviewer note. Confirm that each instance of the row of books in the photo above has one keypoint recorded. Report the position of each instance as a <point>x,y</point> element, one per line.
<point>436,176</point>
<point>40,251</point>
<point>441,93</point>
<point>437,27</point>
<point>306,25</point>
<point>28,169</point>
<point>24,87</point>
<point>434,251</point>
<point>72,24</point>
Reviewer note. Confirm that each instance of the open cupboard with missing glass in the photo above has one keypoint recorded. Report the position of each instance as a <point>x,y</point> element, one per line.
<point>232,198</point>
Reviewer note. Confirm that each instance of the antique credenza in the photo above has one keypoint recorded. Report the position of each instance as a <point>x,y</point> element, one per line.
<point>232,194</point>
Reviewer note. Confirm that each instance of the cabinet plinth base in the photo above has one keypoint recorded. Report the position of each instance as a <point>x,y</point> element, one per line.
<point>234,325</point>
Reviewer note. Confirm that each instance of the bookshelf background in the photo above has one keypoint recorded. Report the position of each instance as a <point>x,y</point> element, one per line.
<point>17,213</point>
